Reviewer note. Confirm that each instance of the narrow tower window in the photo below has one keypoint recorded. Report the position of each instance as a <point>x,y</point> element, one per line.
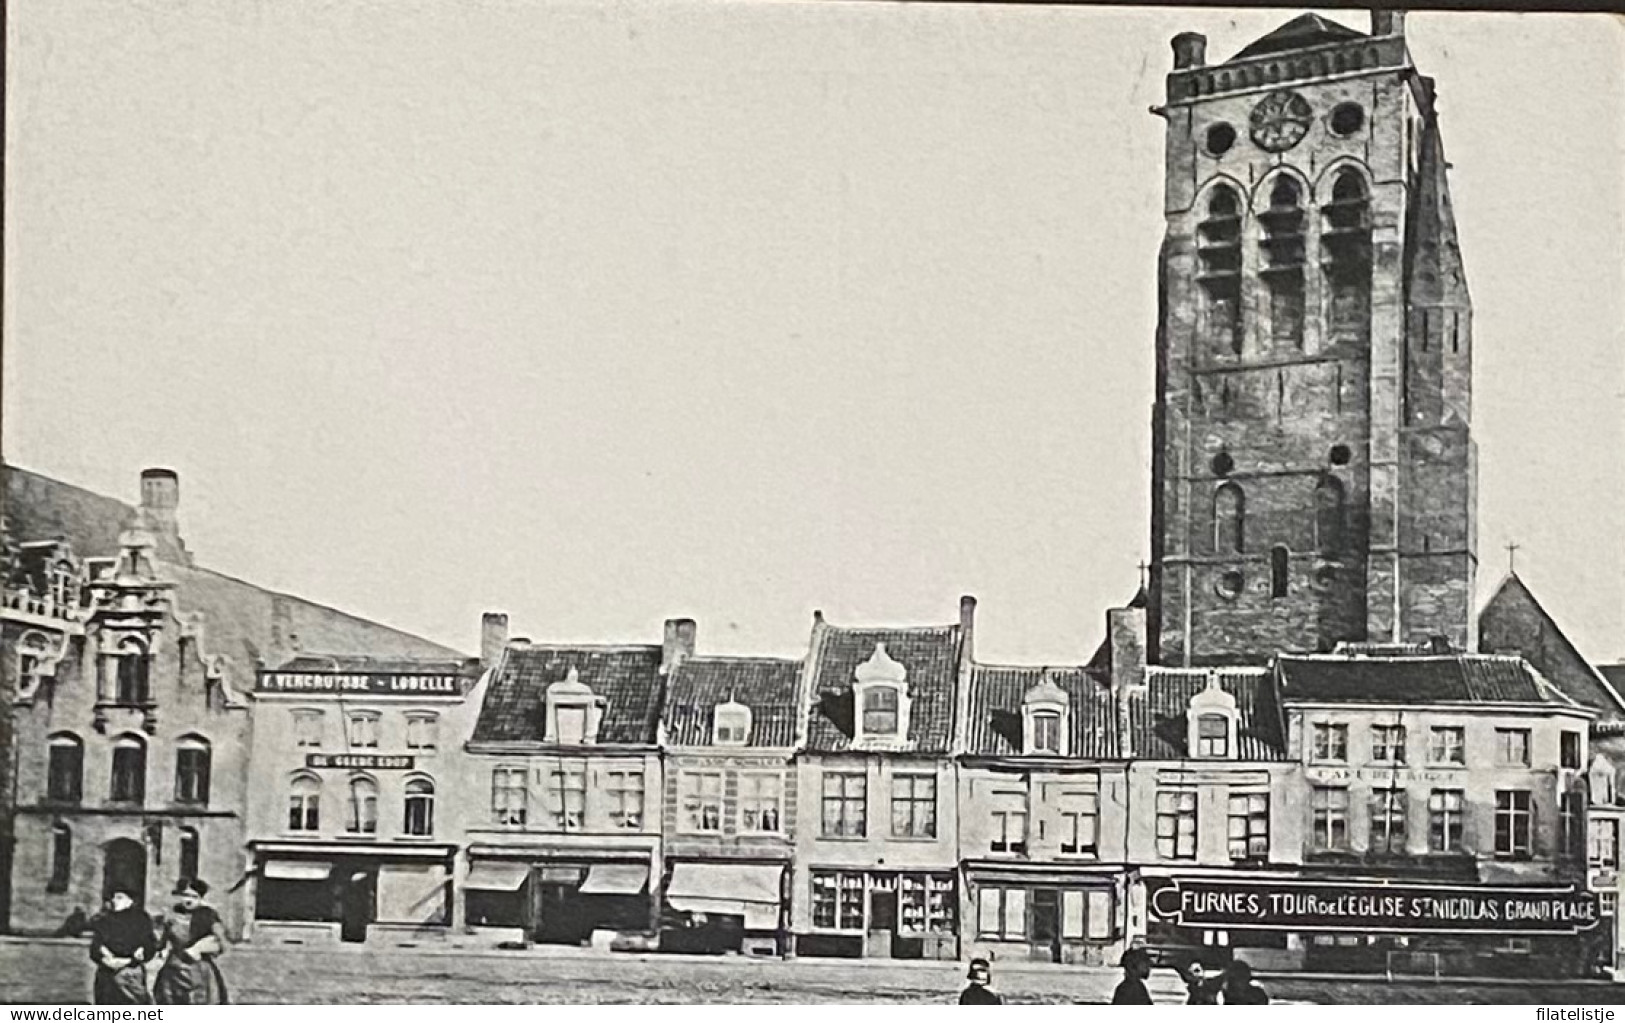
<point>1229,519</point>
<point>1329,505</point>
<point>1280,561</point>
<point>1283,258</point>
<point>1345,244</point>
<point>1219,271</point>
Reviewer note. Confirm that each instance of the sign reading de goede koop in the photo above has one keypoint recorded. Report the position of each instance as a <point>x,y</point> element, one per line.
<point>1393,908</point>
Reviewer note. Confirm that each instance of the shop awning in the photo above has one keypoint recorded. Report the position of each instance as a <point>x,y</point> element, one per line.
<point>497,877</point>
<point>750,890</point>
<point>297,870</point>
<point>616,879</point>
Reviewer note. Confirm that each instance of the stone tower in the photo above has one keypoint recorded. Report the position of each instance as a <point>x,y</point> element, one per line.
<point>1313,467</point>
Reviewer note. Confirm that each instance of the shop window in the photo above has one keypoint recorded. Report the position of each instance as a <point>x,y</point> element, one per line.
<point>1001,913</point>
<point>845,798</point>
<point>129,784</point>
<point>914,806</point>
<point>65,768</point>
<point>838,900</point>
<point>192,761</point>
<point>304,803</point>
<point>925,904</point>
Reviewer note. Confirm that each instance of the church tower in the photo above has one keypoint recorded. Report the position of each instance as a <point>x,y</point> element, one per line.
<point>1313,467</point>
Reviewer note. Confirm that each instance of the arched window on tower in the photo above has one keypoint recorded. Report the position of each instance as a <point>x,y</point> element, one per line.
<point>1330,503</point>
<point>1282,263</point>
<point>61,858</point>
<point>1280,564</point>
<point>1229,519</point>
<point>1345,253</point>
<point>1219,271</point>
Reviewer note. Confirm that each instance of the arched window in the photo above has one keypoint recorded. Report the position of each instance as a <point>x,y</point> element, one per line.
<point>129,769</point>
<point>1280,563</point>
<point>730,724</point>
<point>132,673</point>
<point>305,803</point>
<point>1219,271</point>
<point>419,807</point>
<point>363,808</point>
<point>1329,510</point>
<point>1345,241</point>
<point>1229,519</point>
<point>65,770</point>
<point>190,851</point>
<point>61,858</point>
<point>1282,249</point>
<point>192,758</point>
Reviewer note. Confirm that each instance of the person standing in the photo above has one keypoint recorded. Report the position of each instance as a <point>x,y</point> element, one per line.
<point>1203,990</point>
<point>193,937</point>
<point>979,991</point>
<point>122,942</point>
<point>1136,969</point>
<point>1240,988</point>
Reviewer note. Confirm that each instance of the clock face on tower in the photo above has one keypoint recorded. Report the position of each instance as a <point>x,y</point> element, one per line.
<point>1280,120</point>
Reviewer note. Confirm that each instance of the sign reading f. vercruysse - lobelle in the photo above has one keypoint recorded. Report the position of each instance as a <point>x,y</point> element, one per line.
<point>1288,905</point>
<point>308,683</point>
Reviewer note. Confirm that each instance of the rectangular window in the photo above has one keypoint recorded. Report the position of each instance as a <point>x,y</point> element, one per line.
<point>510,797</point>
<point>914,806</point>
<point>925,904</point>
<point>307,729</point>
<point>1569,750</point>
<point>837,899</point>
<point>1009,832</point>
<point>761,798</point>
<point>1250,826</point>
<point>1331,743</point>
<point>1330,809</point>
<point>880,711</point>
<point>64,780</point>
<point>701,795</point>
<point>1176,825</point>
<point>571,725</point>
<point>1604,844</point>
<point>1212,736</point>
<point>1388,744</point>
<point>1607,903</point>
<point>363,732</point>
<point>1512,747</point>
<point>1388,820</point>
<point>567,797</point>
<point>1101,915</point>
<point>1073,913</point>
<point>1080,825</point>
<point>192,774</point>
<point>1046,732</point>
<point>623,792</point>
<point>1444,820</point>
<point>1015,913</point>
<point>422,733</point>
<point>1447,746</point>
<point>1513,824</point>
<point>846,799</point>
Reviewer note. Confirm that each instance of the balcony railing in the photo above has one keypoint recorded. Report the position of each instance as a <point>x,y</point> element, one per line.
<point>38,605</point>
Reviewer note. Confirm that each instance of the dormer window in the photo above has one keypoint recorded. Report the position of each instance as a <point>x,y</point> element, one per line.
<point>880,699</point>
<point>1044,713</point>
<point>574,712</point>
<point>730,724</point>
<point>1212,722</point>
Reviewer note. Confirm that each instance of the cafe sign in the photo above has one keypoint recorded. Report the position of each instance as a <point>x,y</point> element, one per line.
<point>308,683</point>
<point>1288,905</point>
<point>358,762</point>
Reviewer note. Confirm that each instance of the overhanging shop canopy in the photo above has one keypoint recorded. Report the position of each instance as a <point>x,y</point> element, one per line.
<point>616,879</point>
<point>497,877</point>
<point>750,890</point>
<point>297,870</point>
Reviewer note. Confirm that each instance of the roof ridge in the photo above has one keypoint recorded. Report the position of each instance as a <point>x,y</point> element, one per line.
<point>597,647</point>
<point>760,658</point>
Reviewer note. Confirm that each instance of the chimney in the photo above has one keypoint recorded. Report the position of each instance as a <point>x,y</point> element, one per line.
<point>493,638</point>
<point>1385,22</point>
<point>160,499</point>
<point>967,626</point>
<point>678,644</point>
<point>1125,632</point>
<point>1190,50</point>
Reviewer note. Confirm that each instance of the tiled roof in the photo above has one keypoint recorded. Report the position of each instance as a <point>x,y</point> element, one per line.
<point>1514,622</point>
<point>1301,32</point>
<point>994,727</point>
<point>1458,678</point>
<point>628,678</point>
<point>931,657</point>
<point>1614,673</point>
<point>767,685</point>
<point>1157,713</point>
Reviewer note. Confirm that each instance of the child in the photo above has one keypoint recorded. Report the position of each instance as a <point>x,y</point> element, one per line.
<point>977,992</point>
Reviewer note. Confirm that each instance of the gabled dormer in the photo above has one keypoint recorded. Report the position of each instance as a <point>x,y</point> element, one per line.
<point>1046,720</point>
<point>880,701</point>
<point>574,712</point>
<point>730,724</point>
<point>1212,722</point>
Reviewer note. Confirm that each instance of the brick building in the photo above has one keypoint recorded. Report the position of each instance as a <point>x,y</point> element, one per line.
<point>1313,468</point>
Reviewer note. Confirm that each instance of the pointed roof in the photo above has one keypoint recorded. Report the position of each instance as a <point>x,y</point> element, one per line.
<point>1300,33</point>
<point>1514,622</point>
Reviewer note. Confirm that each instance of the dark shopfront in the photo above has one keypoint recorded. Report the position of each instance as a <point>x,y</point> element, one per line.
<point>559,901</point>
<point>352,891</point>
<point>1377,927</point>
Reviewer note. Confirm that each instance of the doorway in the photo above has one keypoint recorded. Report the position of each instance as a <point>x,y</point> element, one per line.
<point>358,902</point>
<point>124,869</point>
<point>882,922</point>
<point>1046,923</point>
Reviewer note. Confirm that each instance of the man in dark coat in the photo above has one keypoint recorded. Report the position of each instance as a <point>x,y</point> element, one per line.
<point>1240,988</point>
<point>1136,970</point>
<point>979,991</point>
<point>122,942</point>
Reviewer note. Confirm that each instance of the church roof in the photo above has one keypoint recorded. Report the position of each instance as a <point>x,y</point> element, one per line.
<point>1514,622</point>
<point>1300,33</point>
<point>1415,681</point>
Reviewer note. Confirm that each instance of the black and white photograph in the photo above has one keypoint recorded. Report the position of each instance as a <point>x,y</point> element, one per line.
<point>796,502</point>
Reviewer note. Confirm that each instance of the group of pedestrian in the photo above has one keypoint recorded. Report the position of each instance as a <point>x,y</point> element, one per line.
<point>182,945</point>
<point>1234,985</point>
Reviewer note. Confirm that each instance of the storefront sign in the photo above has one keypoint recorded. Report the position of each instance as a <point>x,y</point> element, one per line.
<point>339,684</point>
<point>1365,906</point>
<point>1326,775</point>
<point>358,761</point>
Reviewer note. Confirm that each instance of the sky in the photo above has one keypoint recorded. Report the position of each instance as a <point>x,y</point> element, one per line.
<point>601,313</point>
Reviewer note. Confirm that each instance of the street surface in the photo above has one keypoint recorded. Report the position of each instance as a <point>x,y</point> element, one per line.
<point>59,973</point>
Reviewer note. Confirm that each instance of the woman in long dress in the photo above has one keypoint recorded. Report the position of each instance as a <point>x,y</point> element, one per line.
<point>193,937</point>
<point>122,942</point>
